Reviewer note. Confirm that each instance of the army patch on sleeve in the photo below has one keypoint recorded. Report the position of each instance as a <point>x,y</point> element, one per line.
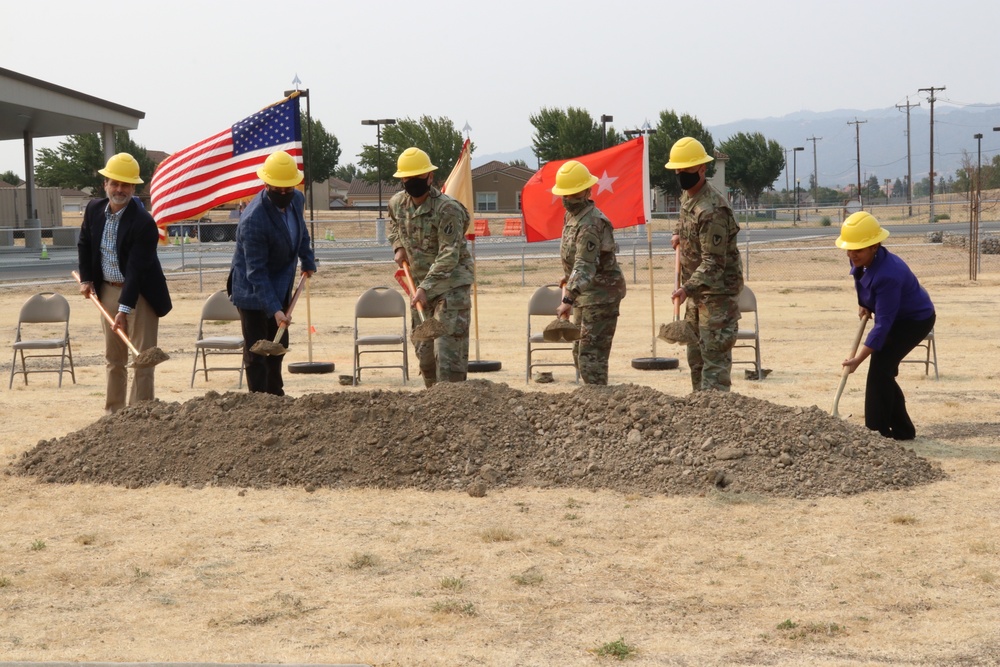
<point>449,230</point>
<point>716,239</point>
<point>591,246</point>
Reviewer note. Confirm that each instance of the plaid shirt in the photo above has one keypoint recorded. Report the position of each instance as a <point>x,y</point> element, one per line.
<point>109,250</point>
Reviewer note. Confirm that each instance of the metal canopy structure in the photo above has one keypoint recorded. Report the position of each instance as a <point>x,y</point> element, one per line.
<point>31,108</point>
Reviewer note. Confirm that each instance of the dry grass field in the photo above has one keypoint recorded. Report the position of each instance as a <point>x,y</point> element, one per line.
<point>522,576</point>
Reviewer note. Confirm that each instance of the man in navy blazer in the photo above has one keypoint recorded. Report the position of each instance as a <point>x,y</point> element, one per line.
<point>270,240</point>
<point>118,263</point>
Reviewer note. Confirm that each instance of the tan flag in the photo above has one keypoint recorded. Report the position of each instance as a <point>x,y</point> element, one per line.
<point>459,183</point>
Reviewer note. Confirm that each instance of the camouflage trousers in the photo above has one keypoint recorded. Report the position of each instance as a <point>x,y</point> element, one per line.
<point>590,354</point>
<point>446,358</point>
<point>717,321</point>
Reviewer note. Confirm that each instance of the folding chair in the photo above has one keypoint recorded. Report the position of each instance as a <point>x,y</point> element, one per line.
<point>544,302</point>
<point>930,346</point>
<point>376,303</point>
<point>44,308</point>
<point>218,308</point>
<point>748,304</point>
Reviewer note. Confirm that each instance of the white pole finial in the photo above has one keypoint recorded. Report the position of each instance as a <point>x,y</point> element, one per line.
<point>296,81</point>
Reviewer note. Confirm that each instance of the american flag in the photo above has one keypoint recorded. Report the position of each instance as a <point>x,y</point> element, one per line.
<point>223,167</point>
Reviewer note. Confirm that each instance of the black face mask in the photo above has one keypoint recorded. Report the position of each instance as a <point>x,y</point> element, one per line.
<point>416,187</point>
<point>281,200</point>
<point>688,179</point>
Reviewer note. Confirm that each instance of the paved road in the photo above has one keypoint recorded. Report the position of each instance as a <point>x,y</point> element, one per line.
<point>21,266</point>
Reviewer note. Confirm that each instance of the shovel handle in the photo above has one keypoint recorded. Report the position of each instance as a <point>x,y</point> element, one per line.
<point>291,306</point>
<point>677,283</point>
<point>413,289</point>
<point>111,321</point>
<point>847,371</point>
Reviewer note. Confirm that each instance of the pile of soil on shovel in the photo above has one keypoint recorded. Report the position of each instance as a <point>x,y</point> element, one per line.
<point>477,436</point>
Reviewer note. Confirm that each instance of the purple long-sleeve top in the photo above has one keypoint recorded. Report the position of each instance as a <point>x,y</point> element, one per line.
<point>890,290</point>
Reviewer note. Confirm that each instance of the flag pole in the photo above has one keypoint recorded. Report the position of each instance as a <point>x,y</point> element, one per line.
<point>652,363</point>
<point>475,291</point>
<point>458,185</point>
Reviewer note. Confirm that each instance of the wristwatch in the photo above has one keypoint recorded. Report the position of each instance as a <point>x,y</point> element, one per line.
<point>568,301</point>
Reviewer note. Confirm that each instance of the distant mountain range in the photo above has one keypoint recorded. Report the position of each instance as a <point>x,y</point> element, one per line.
<point>883,141</point>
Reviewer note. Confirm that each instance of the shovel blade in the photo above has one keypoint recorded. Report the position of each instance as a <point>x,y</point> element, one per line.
<point>678,332</point>
<point>149,358</point>
<point>561,331</point>
<point>267,348</point>
<point>429,329</point>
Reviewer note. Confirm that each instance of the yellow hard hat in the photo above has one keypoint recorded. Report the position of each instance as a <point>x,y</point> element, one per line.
<point>413,162</point>
<point>861,230</point>
<point>280,170</point>
<point>122,168</point>
<point>687,152</point>
<point>573,177</point>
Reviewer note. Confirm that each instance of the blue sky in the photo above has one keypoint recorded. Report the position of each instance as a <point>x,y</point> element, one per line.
<point>196,67</point>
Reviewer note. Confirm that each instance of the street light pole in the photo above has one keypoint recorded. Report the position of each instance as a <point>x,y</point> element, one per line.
<point>795,180</point>
<point>605,119</point>
<point>378,166</point>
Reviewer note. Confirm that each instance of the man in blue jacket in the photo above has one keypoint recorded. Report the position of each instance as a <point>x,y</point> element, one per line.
<point>118,263</point>
<point>270,240</point>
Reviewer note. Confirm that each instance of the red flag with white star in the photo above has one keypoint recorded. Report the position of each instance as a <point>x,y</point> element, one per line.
<point>621,192</point>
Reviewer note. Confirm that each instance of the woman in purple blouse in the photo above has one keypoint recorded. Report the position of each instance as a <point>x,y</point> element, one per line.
<point>904,315</point>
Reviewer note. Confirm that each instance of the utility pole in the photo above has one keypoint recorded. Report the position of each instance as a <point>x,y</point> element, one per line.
<point>909,164</point>
<point>815,173</point>
<point>931,99</point>
<point>857,140</point>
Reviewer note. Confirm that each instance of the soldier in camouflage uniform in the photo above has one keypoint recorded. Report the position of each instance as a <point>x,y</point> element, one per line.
<point>427,230</point>
<point>711,268</point>
<point>593,283</point>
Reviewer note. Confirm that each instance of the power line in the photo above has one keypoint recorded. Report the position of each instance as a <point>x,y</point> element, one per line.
<point>857,138</point>
<point>931,99</point>
<point>909,164</point>
<point>815,172</point>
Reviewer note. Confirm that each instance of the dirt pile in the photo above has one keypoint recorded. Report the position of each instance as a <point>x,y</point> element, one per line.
<point>628,438</point>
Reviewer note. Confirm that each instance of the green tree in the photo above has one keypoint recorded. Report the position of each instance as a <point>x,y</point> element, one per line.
<point>323,150</point>
<point>347,172</point>
<point>10,177</point>
<point>74,163</point>
<point>754,163</point>
<point>873,186</point>
<point>669,129</point>
<point>518,162</point>
<point>436,136</point>
<point>898,191</point>
<point>561,134</point>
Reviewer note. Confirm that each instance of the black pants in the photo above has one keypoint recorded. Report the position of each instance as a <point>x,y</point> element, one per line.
<point>263,372</point>
<point>885,405</point>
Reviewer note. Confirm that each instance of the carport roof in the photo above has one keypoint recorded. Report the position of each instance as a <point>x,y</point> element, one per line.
<point>47,110</point>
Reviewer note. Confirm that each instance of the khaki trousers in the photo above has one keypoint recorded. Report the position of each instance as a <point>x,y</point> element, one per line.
<point>143,325</point>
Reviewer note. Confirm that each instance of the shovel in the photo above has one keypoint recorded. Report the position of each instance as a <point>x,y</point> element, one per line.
<point>428,329</point>
<point>145,359</point>
<point>267,348</point>
<point>679,331</point>
<point>561,330</point>
<point>847,371</point>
